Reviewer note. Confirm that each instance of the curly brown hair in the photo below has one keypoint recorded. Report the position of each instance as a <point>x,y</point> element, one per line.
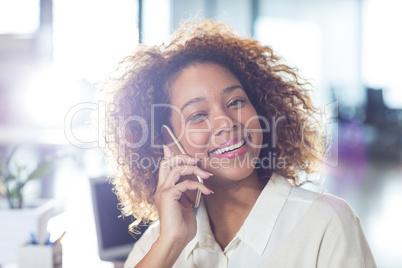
<point>144,78</point>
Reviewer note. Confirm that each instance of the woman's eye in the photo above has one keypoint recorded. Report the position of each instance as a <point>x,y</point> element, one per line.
<point>197,117</point>
<point>236,103</point>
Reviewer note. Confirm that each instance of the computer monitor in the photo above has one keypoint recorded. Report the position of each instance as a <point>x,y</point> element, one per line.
<point>114,240</point>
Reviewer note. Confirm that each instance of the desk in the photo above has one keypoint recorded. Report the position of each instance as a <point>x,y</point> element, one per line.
<point>79,244</point>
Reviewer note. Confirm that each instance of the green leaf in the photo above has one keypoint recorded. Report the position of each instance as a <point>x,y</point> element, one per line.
<point>10,156</point>
<point>17,189</point>
<point>40,171</point>
<point>11,177</point>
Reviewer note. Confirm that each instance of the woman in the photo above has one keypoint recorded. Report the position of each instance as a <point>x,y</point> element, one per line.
<point>247,124</point>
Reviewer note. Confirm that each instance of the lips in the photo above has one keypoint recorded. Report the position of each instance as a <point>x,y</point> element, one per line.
<point>231,148</point>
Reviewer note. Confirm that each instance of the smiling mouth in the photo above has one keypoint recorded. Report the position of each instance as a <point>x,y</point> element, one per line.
<point>229,149</point>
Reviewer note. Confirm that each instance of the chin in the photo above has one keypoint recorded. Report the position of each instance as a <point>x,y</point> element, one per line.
<point>231,172</point>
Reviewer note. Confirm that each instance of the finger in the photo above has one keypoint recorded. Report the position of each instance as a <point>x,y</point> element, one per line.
<point>163,165</point>
<point>166,151</point>
<point>164,170</point>
<point>187,185</point>
<point>169,162</point>
<point>178,171</point>
<point>180,159</point>
<point>176,192</point>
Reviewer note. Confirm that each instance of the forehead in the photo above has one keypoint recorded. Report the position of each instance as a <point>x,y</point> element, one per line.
<point>201,80</point>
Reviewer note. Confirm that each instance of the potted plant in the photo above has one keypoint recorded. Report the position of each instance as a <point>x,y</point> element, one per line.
<point>19,218</point>
<point>13,183</point>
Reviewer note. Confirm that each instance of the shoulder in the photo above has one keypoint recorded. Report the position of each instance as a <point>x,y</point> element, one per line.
<point>153,230</point>
<point>327,224</point>
<point>332,213</point>
<point>143,245</point>
<point>334,206</point>
<point>323,206</point>
<point>148,237</point>
<point>343,242</point>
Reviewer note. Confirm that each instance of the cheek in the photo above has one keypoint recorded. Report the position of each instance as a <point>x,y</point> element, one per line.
<point>255,131</point>
<point>252,125</point>
<point>196,141</point>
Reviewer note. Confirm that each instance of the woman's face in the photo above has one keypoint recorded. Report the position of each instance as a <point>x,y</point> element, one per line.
<point>215,121</point>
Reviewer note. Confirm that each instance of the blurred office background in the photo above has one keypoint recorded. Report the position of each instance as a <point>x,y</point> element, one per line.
<point>52,52</point>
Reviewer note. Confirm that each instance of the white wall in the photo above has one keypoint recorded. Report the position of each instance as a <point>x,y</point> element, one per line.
<point>322,38</point>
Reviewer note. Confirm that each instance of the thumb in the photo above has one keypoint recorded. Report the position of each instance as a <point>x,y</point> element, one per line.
<point>166,151</point>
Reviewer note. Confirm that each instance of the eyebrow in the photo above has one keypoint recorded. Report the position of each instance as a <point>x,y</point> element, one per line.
<point>201,99</point>
<point>230,89</point>
<point>192,101</point>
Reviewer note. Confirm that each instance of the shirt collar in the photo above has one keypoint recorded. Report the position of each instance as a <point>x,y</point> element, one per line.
<point>204,237</point>
<point>257,227</point>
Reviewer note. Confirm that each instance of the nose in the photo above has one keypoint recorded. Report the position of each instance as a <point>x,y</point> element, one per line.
<point>223,124</point>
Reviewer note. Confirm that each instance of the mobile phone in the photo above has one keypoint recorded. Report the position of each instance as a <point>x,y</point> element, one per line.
<point>172,142</point>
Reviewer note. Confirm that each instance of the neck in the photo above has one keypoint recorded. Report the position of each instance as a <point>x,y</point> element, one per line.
<point>230,205</point>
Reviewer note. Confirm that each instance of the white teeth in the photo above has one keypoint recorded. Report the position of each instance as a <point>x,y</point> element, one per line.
<point>229,148</point>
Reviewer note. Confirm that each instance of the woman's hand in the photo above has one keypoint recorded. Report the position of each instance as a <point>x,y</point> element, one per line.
<point>177,219</point>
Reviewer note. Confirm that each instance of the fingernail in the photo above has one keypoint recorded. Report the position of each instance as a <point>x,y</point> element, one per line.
<point>212,192</point>
<point>206,172</point>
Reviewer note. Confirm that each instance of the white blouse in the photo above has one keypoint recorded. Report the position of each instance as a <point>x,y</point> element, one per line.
<point>287,227</point>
